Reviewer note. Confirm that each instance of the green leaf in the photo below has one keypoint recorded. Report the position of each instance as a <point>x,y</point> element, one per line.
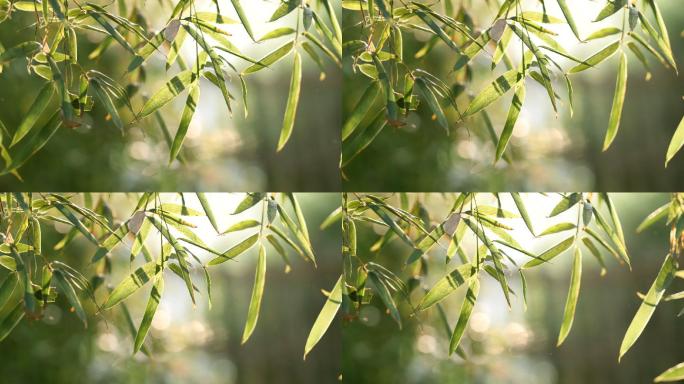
<point>190,105</point>
<point>437,30</point>
<point>551,252</point>
<point>494,91</point>
<point>11,320</point>
<point>257,294</point>
<point>34,143</point>
<point>7,288</point>
<point>271,58</point>
<point>566,203</point>
<point>170,90</point>
<point>76,222</point>
<point>325,317</point>
<point>243,18</point>
<point>249,201</point>
<point>68,291</point>
<point>150,310</point>
<point>360,110</point>
<point>654,217</point>
<point>568,17</point>
<point>464,314</point>
<point>556,228</point>
<point>618,102</point>
<point>24,49</point>
<point>236,250</point>
<point>513,112</point>
<point>676,142</point>
<point>648,306</point>
<point>132,283</point>
<point>207,209</point>
<point>432,102</point>
<point>385,295</point>
<point>573,295</point>
<point>278,32</point>
<point>612,7</point>
<point>292,102</point>
<point>596,58</point>
<point>239,226</point>
<point>603,32</point>
<point>520,204</point>
<point>39,104</point>
<point>447,285</point>
<point>675,373</point>
<point>107,103</point>
<point>363,138</point>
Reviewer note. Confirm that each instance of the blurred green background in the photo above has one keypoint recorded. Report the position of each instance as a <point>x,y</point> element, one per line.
<point>224,153</point>
<point>518,346</point>
<point>191,345</point>
<point>549,152</point>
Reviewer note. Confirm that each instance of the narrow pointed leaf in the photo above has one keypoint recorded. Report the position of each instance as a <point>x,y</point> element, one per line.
<point>513,112</point>
<point>325,317</point>
<point>39,104</point>
<point>132,283</point>
<point>292,102</point>
<point>494,91</point>
<point>170,90</point>
<point>68,290</point>
<point>520,204</point>
<point>675,373</point>
<point>359,111</point>
<point>190,105</point>
<point>257,294</point>
<point>676,142</point>
<point>551,252</point>
<point>618,102</point>
<point>236,250</point>
<point>207,209</point>
<point>596,58</point>
<point>447,285</point>
<point>464,314</point>
<point>648,306</point>
<point>270,58</point>
<point>243,18</point>
<point>573,296</point>
<point>150,310</point>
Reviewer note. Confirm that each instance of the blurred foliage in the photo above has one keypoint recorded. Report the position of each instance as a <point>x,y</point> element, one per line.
<point>547,150</point>
<point>112,61</point>
<point>186,342</point>
<point>503,344</point>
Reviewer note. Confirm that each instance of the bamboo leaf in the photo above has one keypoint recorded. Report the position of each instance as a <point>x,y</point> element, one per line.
<point>276,33</point>
<point>239,226</point>
<point>385,295</point>
<point>243,18</point>
<point>464,314</point>
<point>675,373</point>
<point>566,203</point>
<point>432,102</point>
<point>271,58</point>
<point>654,217</point>
<point>603,32</point>
<point>236,250</point>
<point>207,209</point>
<point>596,58</point>
<point>39,104</point>
<point>618,102</point>
<point>556,228</point>
<point>676,142</point>
<point>150,310</point>
<point>292,102</point>
<point>257,294</point>
<point>249,201</point>
<point>361,109</point>
<point>107,103</point>
<point>11,320</point>
<point>494,91</point>
<point>611,8</point>
<point>68,291</point>
<point>190,105</point>
<point>573,296</point>
<point>7,288</point>
<point>568,17</point>
<point>551,252</point>
<point>513,112</point>
<point>132,283</point>
<point>648,305</point>
<point>170,90</point>
<point>325,317</point>
<point>520,204</point>
<point>447,285</point>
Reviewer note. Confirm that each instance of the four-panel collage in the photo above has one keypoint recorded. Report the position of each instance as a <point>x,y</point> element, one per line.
<point>341,191</point>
